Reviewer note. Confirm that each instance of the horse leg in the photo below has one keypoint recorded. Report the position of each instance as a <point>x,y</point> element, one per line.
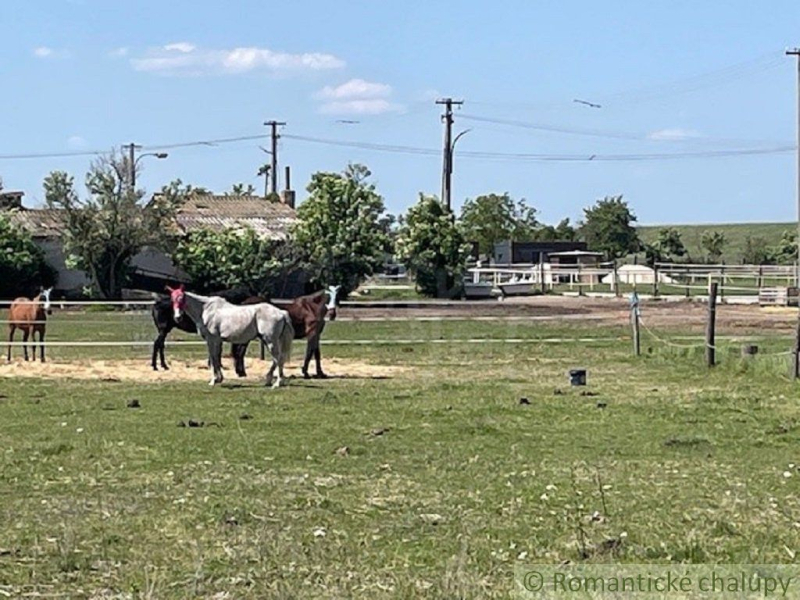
<point>312,342</point>
<point>215,359</point>
<point>318,359</point>
<point>158,351</point>
<point>238,352</point>
<point>41,344</point>
<point>273,350</point>
<point>25,334</point>
<point>161,352</point>
<point>11,330</point>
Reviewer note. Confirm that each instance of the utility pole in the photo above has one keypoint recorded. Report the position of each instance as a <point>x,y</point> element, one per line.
<point>273,188</point>
<point>447,158</point>
<point>796,355</point>
<point>132,148</point>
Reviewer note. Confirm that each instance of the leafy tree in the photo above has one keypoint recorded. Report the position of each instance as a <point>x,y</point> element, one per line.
<point>608,227</point>
<point>493,218</point>
<point>756,251</point>
<point>23,268</point>
<point>668,247</point>
<point>103,232</point>
<point>340,228</point>
<point>785,251</point>
<point>713,242</point>
<point>433,249</point>
<point>217,260</point>
<point>240,189</point>
<point>564,231</point>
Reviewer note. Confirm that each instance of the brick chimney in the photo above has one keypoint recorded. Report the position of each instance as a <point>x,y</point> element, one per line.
<point>288,195</point>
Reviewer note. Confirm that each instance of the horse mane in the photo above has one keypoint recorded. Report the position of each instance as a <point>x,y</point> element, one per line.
<point>315,297</point>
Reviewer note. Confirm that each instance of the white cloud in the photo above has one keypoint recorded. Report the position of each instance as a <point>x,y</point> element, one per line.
<point>184,47</point>
<point>368,106</point>
<point>183,58</point>
<point>357,97</point>
<point>46,52</point>
<point>76,142</point>
<point>673,134</point>
<point>120,52</point>
<point>355,89</point>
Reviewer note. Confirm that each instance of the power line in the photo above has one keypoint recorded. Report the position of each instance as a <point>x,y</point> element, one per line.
<point>34,155</point>
<point>414,150</point>
<point>665,89</point>
<point>534,157</point>
<point>621,135</point>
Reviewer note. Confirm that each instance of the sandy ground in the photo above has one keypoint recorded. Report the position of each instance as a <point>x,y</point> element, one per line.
<point>180,370</point>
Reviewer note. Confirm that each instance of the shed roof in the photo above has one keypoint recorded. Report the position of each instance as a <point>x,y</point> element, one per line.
<point>270,219</point>
<point>40,222</point>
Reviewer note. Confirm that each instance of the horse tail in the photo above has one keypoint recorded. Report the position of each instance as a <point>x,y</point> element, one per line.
<point>286,337</point>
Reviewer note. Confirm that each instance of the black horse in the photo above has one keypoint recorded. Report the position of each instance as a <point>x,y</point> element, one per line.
<point>164,319</point>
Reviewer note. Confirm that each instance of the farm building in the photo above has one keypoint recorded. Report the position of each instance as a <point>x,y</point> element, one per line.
<point>511,252</point>
<point>152,268</point>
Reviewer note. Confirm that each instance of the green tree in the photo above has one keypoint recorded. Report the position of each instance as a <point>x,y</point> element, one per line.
<point>216,260</point>
<point>668,247</point>
<point>103,232</point>
<point>240,189</point>
<point>756,251</point>
<point>564,231</point>
<point>493,218</point>
<point>340,229</point>
<point>433,249</point>
<point>785,251</point>
<point>608,228</point>
<point>713,242</point>
<point>23,268</point>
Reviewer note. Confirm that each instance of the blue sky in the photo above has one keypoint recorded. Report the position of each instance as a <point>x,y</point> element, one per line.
<point>672,78</point>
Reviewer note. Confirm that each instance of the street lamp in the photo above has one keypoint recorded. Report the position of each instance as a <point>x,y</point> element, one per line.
<point>133,160</point>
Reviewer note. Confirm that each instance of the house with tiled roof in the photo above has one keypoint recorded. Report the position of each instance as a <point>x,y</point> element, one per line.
<point>151,267</point>
<point>268,219</point>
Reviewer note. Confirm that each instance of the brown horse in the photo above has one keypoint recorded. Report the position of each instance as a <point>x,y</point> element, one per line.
<point>308,318</point>
<point>30,316</point>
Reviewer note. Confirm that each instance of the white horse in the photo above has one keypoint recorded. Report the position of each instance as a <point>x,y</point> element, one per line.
<point>220,321</point>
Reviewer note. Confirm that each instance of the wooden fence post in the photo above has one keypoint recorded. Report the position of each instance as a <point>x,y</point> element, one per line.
<point>541,274</point>
<point>796,350</point>
<point>711,324</point>
<point>637,350</point>
<point>655,279</point>
<point>616,279</point>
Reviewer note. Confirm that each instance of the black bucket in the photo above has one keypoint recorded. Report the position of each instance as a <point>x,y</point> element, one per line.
<point>577,377</point>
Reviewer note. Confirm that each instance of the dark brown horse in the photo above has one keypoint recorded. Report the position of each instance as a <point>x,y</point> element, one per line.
<point>308,318</point>
<point>30,316</point>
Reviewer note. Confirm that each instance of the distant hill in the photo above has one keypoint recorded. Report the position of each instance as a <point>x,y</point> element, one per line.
<point>735,236</point>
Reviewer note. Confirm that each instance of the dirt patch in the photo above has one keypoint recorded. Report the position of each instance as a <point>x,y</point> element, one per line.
<point>180,370</point>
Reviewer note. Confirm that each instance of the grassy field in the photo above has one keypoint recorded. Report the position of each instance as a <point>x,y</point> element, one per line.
<point>735,235</point>
<point>430,482</point>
